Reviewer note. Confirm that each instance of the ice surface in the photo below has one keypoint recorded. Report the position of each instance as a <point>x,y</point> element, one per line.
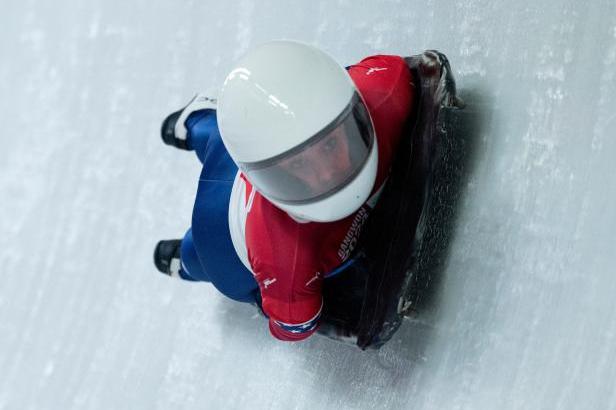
<point>524,315</point>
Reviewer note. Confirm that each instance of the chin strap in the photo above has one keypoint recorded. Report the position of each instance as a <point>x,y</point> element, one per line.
<point>298,219</point>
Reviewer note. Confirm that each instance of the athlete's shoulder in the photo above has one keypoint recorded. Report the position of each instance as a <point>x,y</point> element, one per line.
<point>384,81</point>
<point>379,67</point>
<point>385,60</point>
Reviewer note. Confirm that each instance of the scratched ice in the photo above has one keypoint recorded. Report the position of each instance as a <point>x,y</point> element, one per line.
<point>523,317</point>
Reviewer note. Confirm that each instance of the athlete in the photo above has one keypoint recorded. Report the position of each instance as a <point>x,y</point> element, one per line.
<point>308,146</point>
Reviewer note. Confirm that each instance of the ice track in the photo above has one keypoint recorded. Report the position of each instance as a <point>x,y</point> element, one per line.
<point>522,309</point>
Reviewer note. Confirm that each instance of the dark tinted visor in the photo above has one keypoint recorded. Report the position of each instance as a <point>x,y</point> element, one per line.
<point>322,165</point>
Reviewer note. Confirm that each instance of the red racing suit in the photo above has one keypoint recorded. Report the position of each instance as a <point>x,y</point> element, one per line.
<point>289,258</point>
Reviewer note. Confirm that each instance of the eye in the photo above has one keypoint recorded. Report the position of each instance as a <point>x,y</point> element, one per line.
<point>298,163</point>
<point>330,145</point>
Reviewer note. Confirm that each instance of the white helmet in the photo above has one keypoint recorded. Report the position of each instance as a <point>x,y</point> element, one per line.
<point>297,127</point>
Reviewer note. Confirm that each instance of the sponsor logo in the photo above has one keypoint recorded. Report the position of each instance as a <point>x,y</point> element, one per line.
<point>350,240</point>
<point>268,282</point>
<point>317,276</point>
<point>374,70</point>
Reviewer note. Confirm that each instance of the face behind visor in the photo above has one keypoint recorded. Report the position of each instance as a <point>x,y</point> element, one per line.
<point>320,167</point>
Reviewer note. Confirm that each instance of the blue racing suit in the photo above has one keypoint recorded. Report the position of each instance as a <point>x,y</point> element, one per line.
<point>207,252</point>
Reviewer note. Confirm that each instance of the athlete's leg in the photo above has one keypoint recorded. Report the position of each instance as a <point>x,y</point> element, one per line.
<point>190,268</point>
<point>200,125</point>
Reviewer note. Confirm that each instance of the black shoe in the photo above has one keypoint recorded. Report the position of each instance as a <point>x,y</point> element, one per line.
<point>167,257</point>
<point>167,131</point>
<point>173,130</point>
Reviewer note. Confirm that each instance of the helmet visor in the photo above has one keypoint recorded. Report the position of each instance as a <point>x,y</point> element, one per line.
<point>321,166</point>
